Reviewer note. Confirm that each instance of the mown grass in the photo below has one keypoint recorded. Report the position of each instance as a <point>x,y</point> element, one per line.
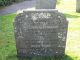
<point>7,42</point>
<point>72,52</point>
<point>73,36</point>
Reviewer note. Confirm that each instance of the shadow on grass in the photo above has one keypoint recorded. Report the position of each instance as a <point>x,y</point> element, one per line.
<point>71,16</point>
<point>12,57</point>
<point>65,57</point>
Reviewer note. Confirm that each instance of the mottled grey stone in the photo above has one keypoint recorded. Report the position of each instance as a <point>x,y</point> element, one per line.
<point>78,6</point>
<point>46,4</point>
<point>40,33</point>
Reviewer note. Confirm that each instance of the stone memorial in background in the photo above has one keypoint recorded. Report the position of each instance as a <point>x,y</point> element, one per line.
<point>78,6</point>
<point>40,32</point>
<point>46,4</point>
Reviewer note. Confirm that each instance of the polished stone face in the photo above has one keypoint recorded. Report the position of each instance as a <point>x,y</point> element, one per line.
<point>40,33</point>
<point>46,4</point>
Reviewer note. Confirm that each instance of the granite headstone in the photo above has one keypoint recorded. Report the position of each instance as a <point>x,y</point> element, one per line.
<point>40,32</point>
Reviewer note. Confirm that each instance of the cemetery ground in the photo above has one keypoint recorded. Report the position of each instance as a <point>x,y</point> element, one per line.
<point>72,52</point>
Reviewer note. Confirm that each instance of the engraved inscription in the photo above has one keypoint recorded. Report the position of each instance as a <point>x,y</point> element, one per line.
<point>40,33</point>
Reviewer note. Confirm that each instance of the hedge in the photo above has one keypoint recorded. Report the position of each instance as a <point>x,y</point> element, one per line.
<point>6,2</point>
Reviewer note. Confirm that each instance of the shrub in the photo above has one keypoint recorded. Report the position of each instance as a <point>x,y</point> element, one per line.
<point>6,2</point>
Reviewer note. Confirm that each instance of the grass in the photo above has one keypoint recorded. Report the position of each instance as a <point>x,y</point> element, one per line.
<point>7,41</point>
<point>73,38</point>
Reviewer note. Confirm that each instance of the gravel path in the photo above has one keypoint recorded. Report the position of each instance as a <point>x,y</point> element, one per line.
<point>18,6</point>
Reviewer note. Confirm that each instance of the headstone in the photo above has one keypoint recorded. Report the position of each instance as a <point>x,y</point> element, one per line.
<point>46,4</point>
<point>78,6</point>
<point>40,32</point>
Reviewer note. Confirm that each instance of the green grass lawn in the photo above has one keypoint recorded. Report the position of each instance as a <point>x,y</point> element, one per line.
<point>7,42</point>
<point>72,52</point>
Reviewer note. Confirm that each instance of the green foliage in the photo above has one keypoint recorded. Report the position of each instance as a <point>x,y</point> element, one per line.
<point>6,2</point>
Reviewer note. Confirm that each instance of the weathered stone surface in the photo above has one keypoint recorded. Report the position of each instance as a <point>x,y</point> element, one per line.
<point>78,6</point>
<point>46,4</point>
<point>40,33</point>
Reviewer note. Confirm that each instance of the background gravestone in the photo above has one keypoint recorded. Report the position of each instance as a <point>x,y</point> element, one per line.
<point>40,33</point>
<point>46,4</point>
<point>78,6</point>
